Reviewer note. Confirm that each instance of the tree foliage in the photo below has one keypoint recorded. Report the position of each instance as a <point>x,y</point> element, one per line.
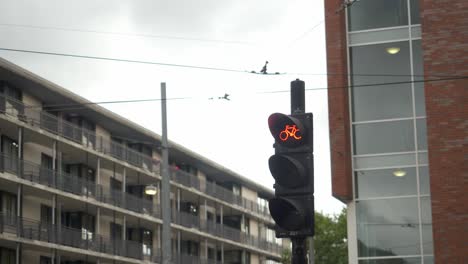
<point>330,242</point>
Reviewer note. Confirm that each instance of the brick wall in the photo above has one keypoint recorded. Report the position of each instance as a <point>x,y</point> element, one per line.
<point>445,49</point>
<point>338,104</point>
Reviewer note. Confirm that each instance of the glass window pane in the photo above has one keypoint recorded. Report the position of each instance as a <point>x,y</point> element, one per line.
<point>368,14</point>
<point>426,222</point>
<point>418,72</point>
<point>388,227</point>
<point>383,137</point>
<point>428,260</point>
<point>424,186</point>
<point>380,64</point>
<point>388,182</point>
<point>422,133</point>
<point>371,162</point>
<point>392,261</point>
<point>415,12</point>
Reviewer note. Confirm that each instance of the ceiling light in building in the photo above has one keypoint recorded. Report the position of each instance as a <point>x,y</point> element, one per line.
<point>393,50</point>
<point>151,190</point>
<point>399,173</point>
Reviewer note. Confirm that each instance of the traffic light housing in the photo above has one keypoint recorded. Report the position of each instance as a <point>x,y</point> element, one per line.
<point>292,167</point>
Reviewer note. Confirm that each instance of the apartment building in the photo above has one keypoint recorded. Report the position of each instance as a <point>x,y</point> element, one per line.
<point>397,97</point>
<point>72,181</point>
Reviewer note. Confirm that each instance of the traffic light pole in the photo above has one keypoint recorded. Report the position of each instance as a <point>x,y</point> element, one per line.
<point>297,97</point>
<point>298,107</point>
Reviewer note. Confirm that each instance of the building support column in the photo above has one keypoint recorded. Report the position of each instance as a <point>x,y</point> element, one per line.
<point>124,187</point>
<point>179,250</point>
<point>18,253</point>
<point>19,209</point>
<point>222,253</point>
<point>54,163</point>
<point>98,179</point>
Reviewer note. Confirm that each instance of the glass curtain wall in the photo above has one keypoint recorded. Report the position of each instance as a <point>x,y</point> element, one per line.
<point>391,177</point>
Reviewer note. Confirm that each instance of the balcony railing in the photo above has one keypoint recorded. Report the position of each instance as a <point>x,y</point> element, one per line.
<point>62,235</point>
<point>217,191</point>
<point>70,131</point>
<point>71,184</point>
<point>185,258</point>
<point>216,229</point>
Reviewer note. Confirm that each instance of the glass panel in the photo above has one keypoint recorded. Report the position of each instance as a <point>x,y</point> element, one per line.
<point>385,161</point>
<point>380,64</point>
<point>428,260</point>
<point>390,34</point>
<point>415,12</point>
<point>426,221</point>
<point>423,158</point>
<point>422,133</point>
<point>381,183</point>
<point>420,101</point>
<point>388,227</point>
<point>391,261</point>
<point>383,137</point>
<point>424,186</point>
<point>367,14</point>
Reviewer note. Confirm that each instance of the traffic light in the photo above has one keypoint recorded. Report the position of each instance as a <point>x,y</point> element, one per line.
<point>292,167</point>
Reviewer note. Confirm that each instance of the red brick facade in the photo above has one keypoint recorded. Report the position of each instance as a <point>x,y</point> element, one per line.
<point>338,104</point>
<point>445,48</point>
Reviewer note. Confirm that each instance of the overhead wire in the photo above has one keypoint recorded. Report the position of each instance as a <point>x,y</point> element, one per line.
<point>128,34</point>
<point>205,67</point>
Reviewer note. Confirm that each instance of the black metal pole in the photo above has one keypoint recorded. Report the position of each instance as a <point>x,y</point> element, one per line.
<point>299,250</point>
<point>297,97</point>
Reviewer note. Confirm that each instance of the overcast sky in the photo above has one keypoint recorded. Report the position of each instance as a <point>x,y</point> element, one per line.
<point>238,35</point>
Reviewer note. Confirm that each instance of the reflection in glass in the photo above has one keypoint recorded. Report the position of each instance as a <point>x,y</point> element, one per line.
<point>369,14</point>
<point>428,260</point>
<point>383,137</point>
<point>424,186</point>
<point>381,183</point>
<point>420,101</point>
<point>421,131</point>
<point>388,227</point>
<point>415,12</point>
<point>426,225</point>
<point>392,261</point>
<point>381,63</point>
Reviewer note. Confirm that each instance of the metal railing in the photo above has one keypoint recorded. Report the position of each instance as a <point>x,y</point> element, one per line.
<point>224,231</point>
<point>90,139</point>
<point>72,237</point>
<point>71,184</point>
<point>36,117</point>
<point>184,258</point>
<point>217,191</point>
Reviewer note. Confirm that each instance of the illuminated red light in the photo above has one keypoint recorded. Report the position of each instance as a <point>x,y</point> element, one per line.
<point>289,131</point>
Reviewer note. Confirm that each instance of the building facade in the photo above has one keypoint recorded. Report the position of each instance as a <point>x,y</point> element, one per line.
<point>399,137</point>
<point>72,180</point>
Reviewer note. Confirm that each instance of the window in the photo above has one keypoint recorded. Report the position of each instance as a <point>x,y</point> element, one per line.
<point>8,203</point>
<point>373,64</point>
<point>388,227</point>
<point>384,183</point>
<point>383,137</point>
<point>420,101</point>
<point>10,154</point>
<point>7,256</point>
<point>369,14</point>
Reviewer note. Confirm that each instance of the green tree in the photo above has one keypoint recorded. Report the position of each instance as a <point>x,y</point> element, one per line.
<point>330,243</point>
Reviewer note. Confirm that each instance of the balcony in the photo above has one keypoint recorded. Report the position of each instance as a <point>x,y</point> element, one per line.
<point>192,221</point>
<point>89,139</point>
<point>62,181</point>
<point>76,238</point>
<point>217,191</point>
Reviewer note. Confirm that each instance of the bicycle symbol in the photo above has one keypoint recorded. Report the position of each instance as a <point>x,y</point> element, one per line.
<point>289,131</point>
